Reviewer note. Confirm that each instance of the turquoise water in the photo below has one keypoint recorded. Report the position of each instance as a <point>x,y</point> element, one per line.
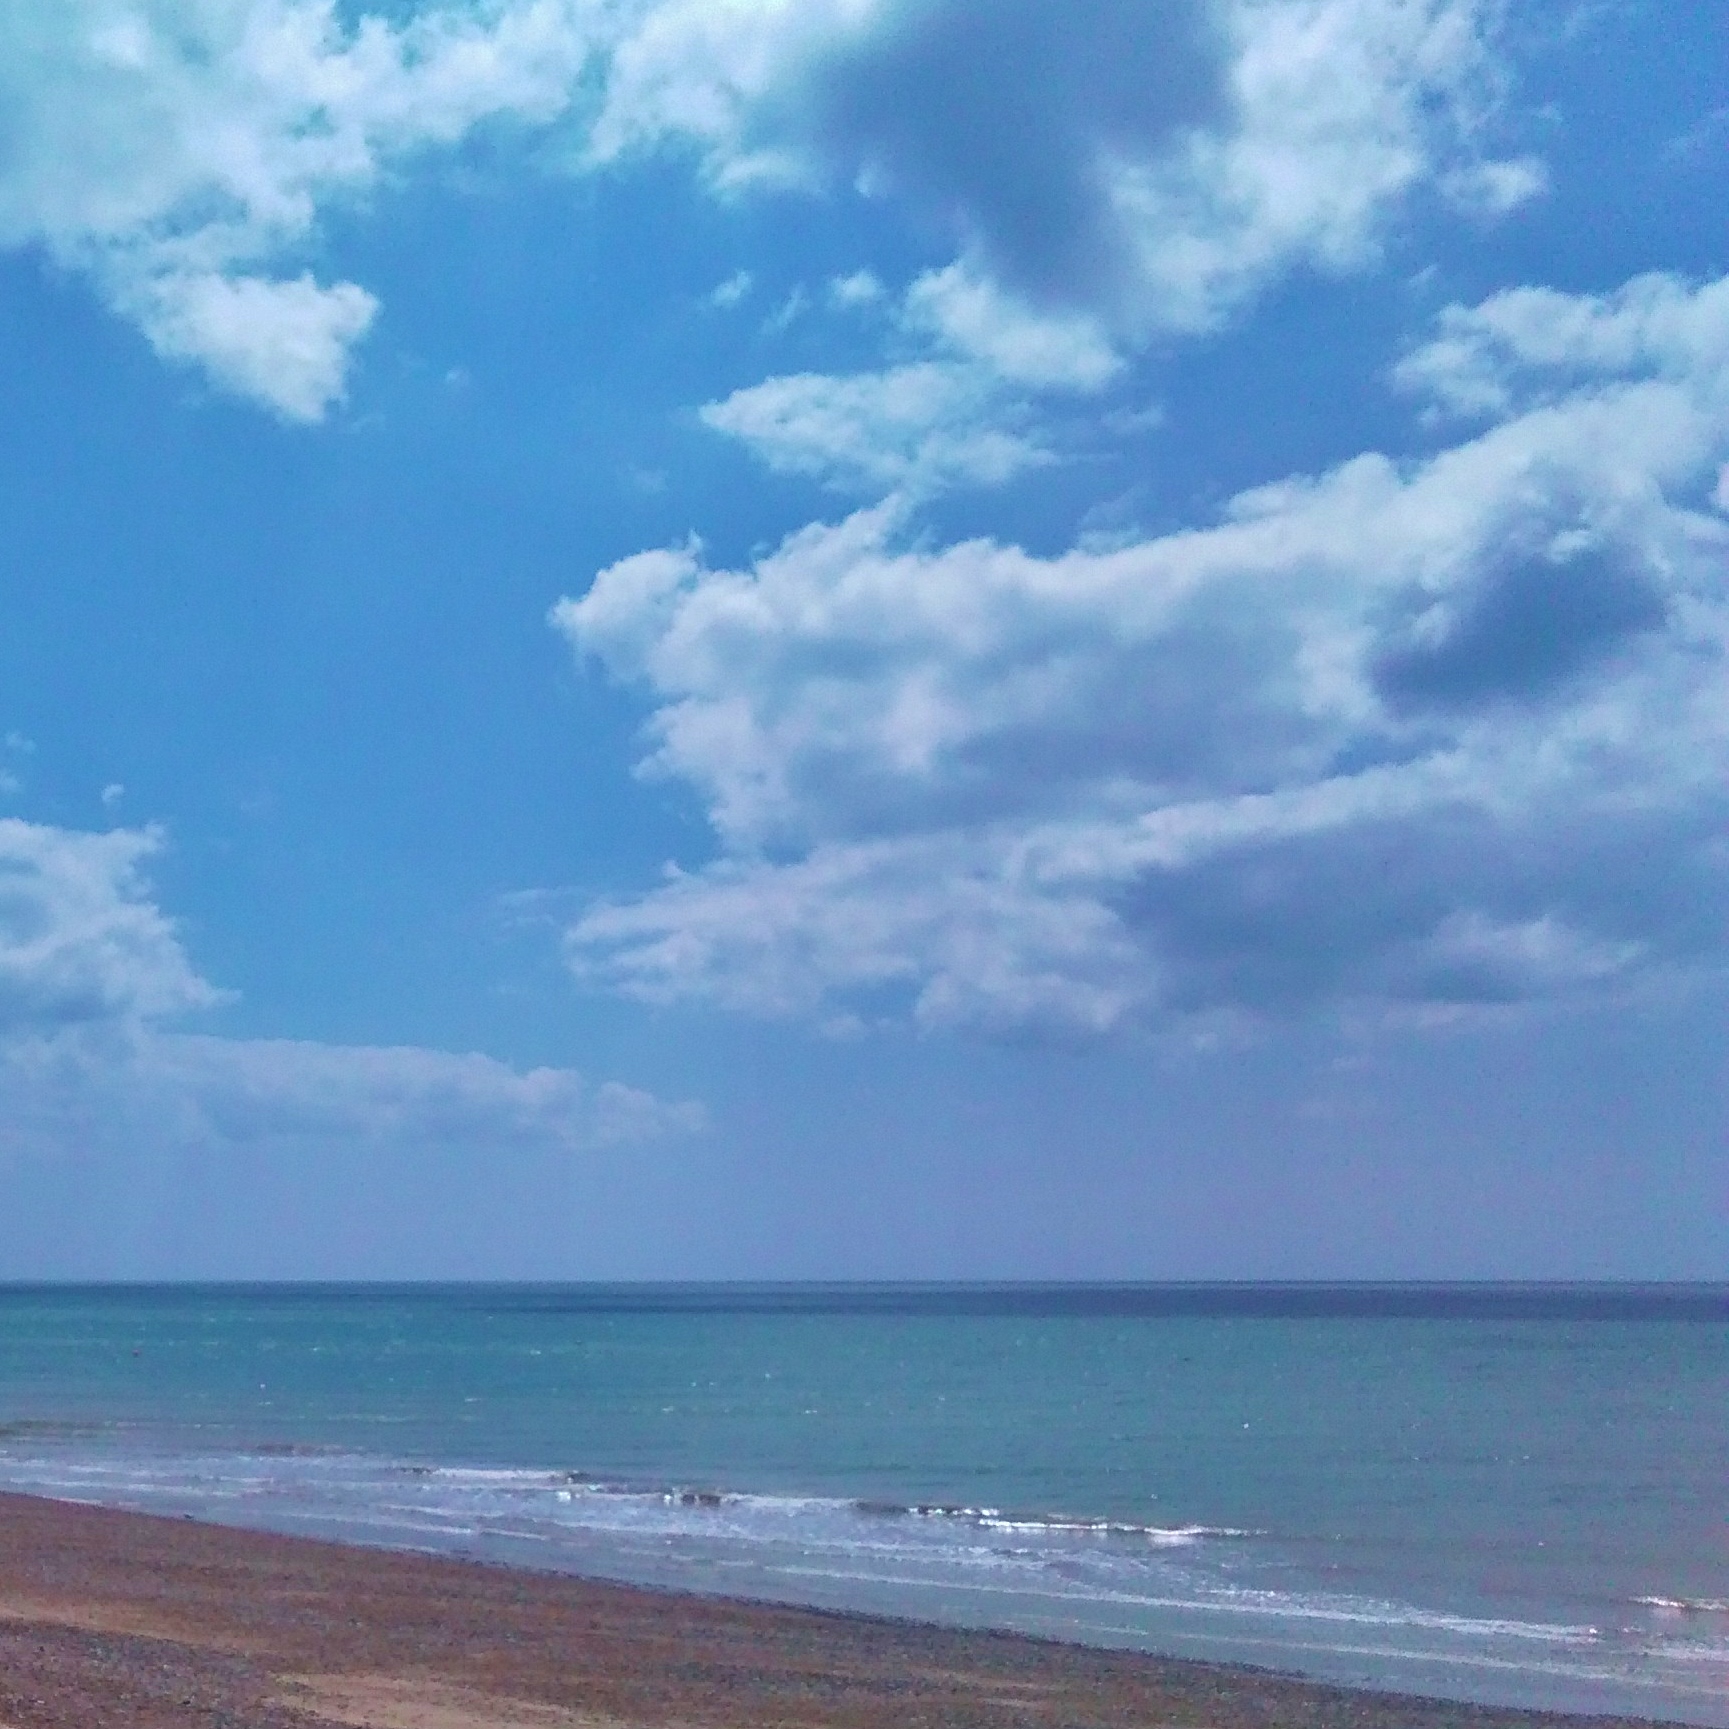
<point>1507,1494</point>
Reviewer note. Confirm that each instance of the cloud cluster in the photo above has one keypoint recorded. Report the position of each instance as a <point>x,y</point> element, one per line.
<point>180,151</point>
<point>1110,174</point>
<point>92,974</point>
<point>1146,165</point>
<point>1112,169</point>
<point>962,414</point>
<point>1445,732</point>
<point>916,429</point>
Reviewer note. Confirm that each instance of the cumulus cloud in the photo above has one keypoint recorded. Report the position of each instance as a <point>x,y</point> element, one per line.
<point>93,974</point>
<point>1531,345</point>
<point>916,428</point>
<point>961,416</point>
<point>1105,168</point>
<point>1109,174</point>
<point>969,315</point>
<point>179,151</point>
<point>281,343</point>
<point>1445,731</point>
<point>81,941</point>
<point>1148,166</point>
<point>1339,111</point>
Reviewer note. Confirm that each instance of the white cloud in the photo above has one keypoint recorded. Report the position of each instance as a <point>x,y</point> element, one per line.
<point>960,418</point>
<point>91,971</point>
<point>81,1091</point>
<point>861,288</point>
<point>1339,110</point>
<point>179,150</point>
<point>239,1090</point>
<point>1533,344</point>
<point>914,428</point>
<point>730,292</point>
<point>691,69</point>
<point>1455,729</point>
<point>1492,189</point>
<point>790,310</point>
<point>80,939</point>
<point>282,343</point>
<point>972,316</point>
<point>941,921</point>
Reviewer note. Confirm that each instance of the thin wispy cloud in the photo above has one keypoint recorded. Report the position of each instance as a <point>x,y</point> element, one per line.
<point>95,979</point>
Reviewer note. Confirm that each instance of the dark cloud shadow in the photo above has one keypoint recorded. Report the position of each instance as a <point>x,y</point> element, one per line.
<point>995,117</point>
<point>1277,927</point>
<point>1524,633</point>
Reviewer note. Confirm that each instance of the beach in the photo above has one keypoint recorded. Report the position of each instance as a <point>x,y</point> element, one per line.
<point>119,1620</point>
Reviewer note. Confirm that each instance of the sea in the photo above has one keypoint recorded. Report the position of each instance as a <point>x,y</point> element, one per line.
<point>1508,1494</point>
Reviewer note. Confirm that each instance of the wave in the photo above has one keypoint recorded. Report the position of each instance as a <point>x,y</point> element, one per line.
<point>566,1485</point>
<point>834,1527</point>
<point>1036,1524</point>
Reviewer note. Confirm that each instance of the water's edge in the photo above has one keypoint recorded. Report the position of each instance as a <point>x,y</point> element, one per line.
<point>1361,1690</point>
<point>1163,1591</point>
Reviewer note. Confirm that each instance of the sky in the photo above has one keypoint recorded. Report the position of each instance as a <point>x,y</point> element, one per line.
<point>864,639</point>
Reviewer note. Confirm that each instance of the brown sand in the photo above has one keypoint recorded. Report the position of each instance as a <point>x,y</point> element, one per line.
<point>115,1620</point>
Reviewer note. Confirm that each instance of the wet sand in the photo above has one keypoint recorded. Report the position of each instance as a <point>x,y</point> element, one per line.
<point>113,1620</point>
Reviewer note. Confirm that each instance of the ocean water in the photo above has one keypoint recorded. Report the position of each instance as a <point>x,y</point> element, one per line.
<point>1507,1494</point>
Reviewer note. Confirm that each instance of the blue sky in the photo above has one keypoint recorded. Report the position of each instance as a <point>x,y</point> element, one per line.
<point>709,638</point>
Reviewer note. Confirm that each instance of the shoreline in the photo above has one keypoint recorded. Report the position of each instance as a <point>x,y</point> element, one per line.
<point>119,1620</point>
